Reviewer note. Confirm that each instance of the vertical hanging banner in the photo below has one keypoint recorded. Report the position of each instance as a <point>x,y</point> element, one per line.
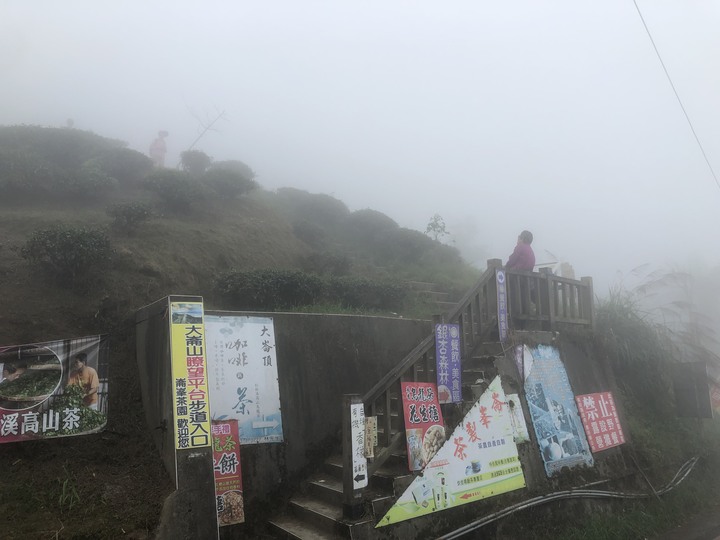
<point>502,310</point>
<point>600,420</point>
<point>554,414</point>
<point>479,460</point>
<point>189,373</point>
<point>53,389</point>
<point>424,431</point>
<point>447,359</point>
<point>243,375</point>
<point>357,446</point>
<point>228,474</point>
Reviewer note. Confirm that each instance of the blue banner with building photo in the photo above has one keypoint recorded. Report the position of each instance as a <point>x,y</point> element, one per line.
<point>553,410</point>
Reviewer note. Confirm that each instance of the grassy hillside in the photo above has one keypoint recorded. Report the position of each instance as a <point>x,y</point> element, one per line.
<point>56,183</point>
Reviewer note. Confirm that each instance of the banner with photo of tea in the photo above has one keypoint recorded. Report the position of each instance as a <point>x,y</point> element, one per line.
<point>53,389</point>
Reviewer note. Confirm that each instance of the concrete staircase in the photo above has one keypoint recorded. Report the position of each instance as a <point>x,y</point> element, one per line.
<point>316,512</point>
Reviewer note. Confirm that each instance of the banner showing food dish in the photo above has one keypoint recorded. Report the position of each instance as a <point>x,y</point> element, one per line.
<point>53,389</point>
<point>447,360</point>
<point>189,375</point>
<point>479,460</point>
<point>228,474</point>
<point>600,420</point>
<point>553,411</point>
<point>424,431</point>
<point>243,373</point>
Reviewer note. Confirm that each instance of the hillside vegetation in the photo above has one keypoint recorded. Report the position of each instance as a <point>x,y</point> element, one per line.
<point>91,233</point>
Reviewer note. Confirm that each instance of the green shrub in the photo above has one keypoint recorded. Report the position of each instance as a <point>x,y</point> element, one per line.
<point>128,216</point>
<point>177,192</point>
<point>236,166</point>
<point>228,184</point>
<point>277,289</point>
<point>69,256</point>
<point>89,183</point>
<point>363,293</point>
<point>127,166</point>
<point>269,289</point>
<point>194,162</point>
<point>327,263</point>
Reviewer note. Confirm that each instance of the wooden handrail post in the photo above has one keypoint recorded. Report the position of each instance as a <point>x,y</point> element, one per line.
<point>588,300</point>
<point>354,462</point>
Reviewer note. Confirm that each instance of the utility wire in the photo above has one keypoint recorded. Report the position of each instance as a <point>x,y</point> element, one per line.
<point>697,139</point>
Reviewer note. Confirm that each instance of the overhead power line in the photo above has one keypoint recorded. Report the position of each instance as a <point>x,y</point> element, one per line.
<point>677,96</point>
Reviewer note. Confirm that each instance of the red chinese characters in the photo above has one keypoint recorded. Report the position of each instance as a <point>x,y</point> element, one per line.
<point>424,429</point>
<point>600,420</point>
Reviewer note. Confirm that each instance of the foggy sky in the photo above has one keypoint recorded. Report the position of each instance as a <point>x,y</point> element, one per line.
<point>500,116</point>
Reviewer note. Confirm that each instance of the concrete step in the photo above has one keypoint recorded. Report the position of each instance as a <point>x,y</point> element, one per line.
<point>290,527</point>
<point>320,514</point>
<point>333,466</point>
<point>326,488</point>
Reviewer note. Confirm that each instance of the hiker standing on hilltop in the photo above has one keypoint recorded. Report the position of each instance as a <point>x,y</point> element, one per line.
<point>158,149</point>
<point>523,257</point>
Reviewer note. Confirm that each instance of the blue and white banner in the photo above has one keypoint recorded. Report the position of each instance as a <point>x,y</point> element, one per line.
<point>448,363</point>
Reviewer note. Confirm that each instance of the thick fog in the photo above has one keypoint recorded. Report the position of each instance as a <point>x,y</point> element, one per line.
<point>555,117</point>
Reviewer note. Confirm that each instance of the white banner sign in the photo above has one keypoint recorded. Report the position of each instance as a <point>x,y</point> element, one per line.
<point>242,375</point>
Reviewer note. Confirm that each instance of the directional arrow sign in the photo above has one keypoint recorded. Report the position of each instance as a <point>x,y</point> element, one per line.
<point>359,462</point>
<point>265,424</point>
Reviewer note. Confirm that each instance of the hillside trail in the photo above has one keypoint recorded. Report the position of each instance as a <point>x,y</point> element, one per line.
<point>705,526</point>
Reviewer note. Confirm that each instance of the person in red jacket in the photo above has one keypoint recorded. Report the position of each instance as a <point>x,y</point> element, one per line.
<point>523,257</point>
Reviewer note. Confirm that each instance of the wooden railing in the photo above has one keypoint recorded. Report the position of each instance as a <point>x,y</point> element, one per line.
<point>535,300</point>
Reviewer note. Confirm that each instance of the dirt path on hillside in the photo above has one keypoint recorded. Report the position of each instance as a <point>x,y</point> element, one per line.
<point>705,526</point>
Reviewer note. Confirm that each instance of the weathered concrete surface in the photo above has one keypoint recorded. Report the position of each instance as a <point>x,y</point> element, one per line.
<point>321,357</point>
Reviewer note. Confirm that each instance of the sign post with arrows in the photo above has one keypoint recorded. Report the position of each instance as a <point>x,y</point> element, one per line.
<point>355,473</point>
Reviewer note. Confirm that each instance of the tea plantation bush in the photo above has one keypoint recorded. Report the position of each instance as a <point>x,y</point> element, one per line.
<point>127,217</point>
<point>177,192</point>
<point>69,256</point>
<point>282,289</point>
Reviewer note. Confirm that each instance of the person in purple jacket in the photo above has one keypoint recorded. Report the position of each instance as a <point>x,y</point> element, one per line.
<point>523,257</point>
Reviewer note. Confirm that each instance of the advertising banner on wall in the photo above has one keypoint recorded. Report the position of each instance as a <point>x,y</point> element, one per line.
<point>554,413</point>
<point>479,460</point>
<point>189,373</point>
<point>600,420</point>
<point>243,375</point>
<point>228,475</point>
<point>424,431</point>
<point>53,389</point>
<point>447,359</point>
